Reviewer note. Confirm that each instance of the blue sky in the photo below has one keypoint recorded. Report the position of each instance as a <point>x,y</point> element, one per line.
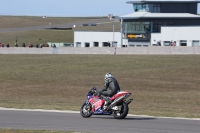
<point>65,7</point>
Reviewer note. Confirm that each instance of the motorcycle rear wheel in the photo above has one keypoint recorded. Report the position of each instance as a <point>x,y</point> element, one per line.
<point>86,110</point>
<point>122,113</point>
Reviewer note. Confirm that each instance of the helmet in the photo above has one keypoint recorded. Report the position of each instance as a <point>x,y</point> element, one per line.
<point>108,75</point>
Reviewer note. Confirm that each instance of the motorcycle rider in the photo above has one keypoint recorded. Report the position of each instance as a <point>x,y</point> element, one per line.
<point>105,93</point>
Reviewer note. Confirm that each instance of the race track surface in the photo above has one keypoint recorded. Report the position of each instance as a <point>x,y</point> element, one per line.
<point>72,121</point>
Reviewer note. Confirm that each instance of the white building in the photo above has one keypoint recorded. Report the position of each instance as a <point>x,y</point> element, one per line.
<point>152,21</point>
<point>183,36</point>
<point>97,39</point>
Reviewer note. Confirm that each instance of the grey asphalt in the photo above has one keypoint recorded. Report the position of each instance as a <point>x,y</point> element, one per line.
<point>62,121</point>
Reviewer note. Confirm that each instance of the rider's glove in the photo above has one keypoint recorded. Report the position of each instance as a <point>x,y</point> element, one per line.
<point>98,93</point>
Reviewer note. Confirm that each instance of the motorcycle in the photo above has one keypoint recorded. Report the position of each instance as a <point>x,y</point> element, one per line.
<point>94,105</point>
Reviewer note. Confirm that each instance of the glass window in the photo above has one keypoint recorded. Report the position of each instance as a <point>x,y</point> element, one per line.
<point>96,44</point>
<point>137,27</point>
<point>78,44</point>
<point>137,7</point>
<point>106,44</point>
<point>166,43</point>
<point>150,7</point>
<point>157,26</point>
<point>114,44</point>
<point>132,27</point>
<point>156,7</point>
<point>141,7</point>
<point>142,25</point>
<point>147,27</point>
<point>146,7</point>
<point>87,44</point>
<point>183,42</point>
<point>195,43</point>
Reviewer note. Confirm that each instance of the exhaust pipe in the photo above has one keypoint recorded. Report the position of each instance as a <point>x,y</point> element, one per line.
<point>118,100</point>
<point>129,101</point>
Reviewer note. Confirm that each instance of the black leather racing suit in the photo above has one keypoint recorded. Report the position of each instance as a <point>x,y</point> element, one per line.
<point>113,86</point>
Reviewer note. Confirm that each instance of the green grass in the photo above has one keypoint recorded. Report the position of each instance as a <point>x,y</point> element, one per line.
<point>26,21</point>
<point>161,85</point>
<point>32,131</point>
<point>48,35</point>
<point>34,36</point>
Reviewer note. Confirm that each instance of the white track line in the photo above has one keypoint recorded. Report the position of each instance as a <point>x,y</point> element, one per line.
<point>40,110</point>
<point>180,118</point>
<point>69,111</point>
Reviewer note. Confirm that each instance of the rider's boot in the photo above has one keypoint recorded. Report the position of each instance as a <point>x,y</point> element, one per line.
<point>107,102</point>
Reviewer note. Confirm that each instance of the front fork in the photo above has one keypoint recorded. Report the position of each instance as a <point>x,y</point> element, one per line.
<point>88,106</point>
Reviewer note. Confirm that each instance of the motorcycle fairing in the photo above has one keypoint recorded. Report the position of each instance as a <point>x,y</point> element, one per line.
<point>121,93</point>
<point>118,108</point>
<point>99,111</point>
<point>97,106</point>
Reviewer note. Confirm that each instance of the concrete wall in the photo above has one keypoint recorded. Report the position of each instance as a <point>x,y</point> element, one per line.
<point>152,50</point>
<point>176,34</point>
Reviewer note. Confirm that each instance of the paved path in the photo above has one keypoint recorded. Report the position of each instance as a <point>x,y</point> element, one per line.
<point>72,121</point>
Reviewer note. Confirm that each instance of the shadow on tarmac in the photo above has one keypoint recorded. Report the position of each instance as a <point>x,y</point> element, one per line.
<point>127,118</point>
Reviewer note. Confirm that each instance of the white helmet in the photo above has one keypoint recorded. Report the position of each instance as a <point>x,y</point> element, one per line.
<point>108,75</point>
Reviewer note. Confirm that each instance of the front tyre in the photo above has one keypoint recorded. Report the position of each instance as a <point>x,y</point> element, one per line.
<point>122,113</point>
<point>86,110</point>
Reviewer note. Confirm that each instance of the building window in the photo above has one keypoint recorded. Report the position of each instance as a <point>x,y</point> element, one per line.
<point>87,44</point>
<point>114,44</point>
<point>106,44</point>
<point>142,27</point>
<point>183,42</point>
<point>141,7</point>
<point>157,26</point>
<point>135,27</point>
<point>195,43</point>
<point>137,7</point>
<point>166,43</point>
<point>146,7</point>
<point>96,44</point>
<point>156,8</point>
<point>147,27</point>
<point>131,45</point>
<point>78,44</point>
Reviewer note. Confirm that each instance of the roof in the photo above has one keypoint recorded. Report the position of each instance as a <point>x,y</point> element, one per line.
<point>162,1</point>
<point>137,15</point>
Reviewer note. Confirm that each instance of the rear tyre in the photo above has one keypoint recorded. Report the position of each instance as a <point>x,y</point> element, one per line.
<point>121,114</point>
<point>86,110</point>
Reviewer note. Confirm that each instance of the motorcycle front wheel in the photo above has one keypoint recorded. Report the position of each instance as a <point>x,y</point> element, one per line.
<point>86,110</point>
<point>122,113</point>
